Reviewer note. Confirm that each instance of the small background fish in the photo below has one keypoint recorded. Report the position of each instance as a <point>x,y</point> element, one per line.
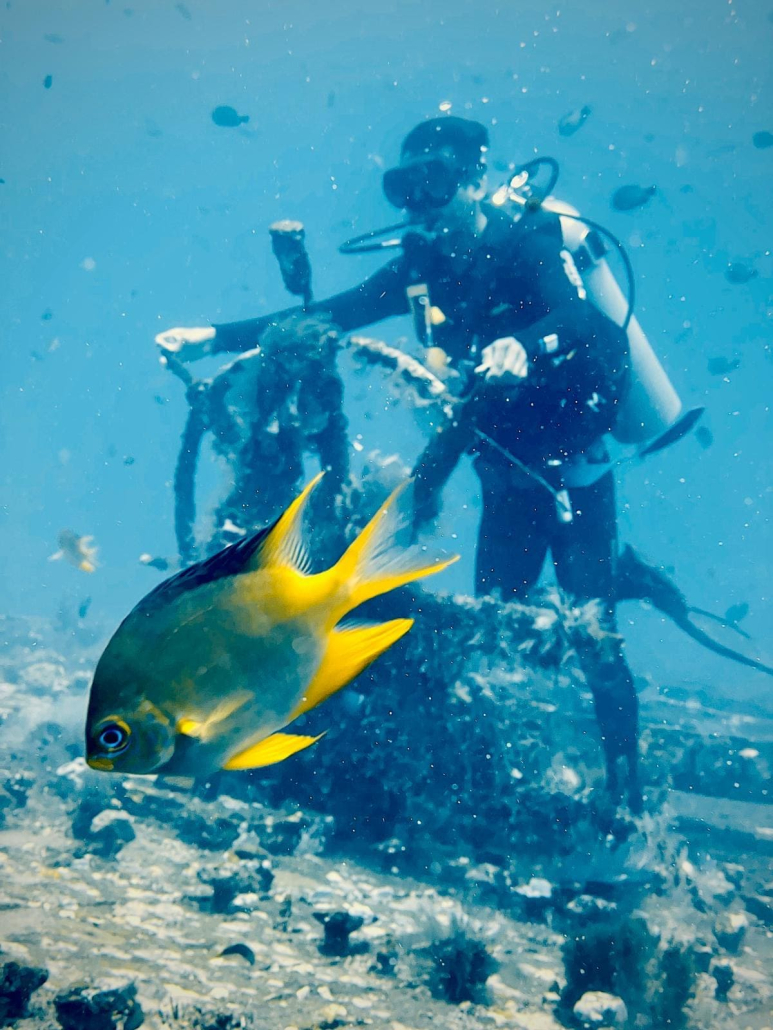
<point>77,550</point>
<point>573,121</point>
<point>628,198</point>
<point>228,118</point>
<point>739,273</point>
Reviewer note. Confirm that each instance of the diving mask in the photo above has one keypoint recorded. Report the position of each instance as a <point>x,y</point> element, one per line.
<point>423,184</point>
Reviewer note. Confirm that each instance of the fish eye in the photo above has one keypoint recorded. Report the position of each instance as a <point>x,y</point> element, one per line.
<point>114,737</point>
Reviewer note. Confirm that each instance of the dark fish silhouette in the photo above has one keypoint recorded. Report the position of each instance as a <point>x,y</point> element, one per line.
<point>704,437</point>
<point>722,366</point>
<point>628,198</point>
<point>48,81</point>
<point>83,608</point>
<point>228,118</point>
<point>738,273</point>
<point>183,10</point>
<point>242,950</point>
<point>573,121</point>
<point>762,140</point>
<point>162,564</point>
<point>737,612</point>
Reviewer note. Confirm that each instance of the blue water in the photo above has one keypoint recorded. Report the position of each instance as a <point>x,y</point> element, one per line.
<point>126,211</point>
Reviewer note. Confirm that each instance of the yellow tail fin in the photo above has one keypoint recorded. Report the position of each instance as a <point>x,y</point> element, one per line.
<point>349,650</point>
<point>376,563</point>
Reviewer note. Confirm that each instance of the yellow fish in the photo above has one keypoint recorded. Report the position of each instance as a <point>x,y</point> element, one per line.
<point>78,551</point>
<point>212,663</point>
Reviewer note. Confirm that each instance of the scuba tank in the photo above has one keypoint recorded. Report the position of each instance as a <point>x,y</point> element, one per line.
<point>651,405</point>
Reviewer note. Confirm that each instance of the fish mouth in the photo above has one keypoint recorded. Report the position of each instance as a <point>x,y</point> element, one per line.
<point>102,764</point>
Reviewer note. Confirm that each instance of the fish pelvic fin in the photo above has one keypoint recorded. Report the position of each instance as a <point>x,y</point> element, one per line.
<point>376,562</point>
<point>349,650</point>
<point>284,547</point>
<point>273,749</point>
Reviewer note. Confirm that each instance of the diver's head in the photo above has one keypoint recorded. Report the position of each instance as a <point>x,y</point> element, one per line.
<point>442,167</point>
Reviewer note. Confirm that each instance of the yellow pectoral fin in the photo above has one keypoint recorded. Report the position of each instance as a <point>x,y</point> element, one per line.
<point>348,651</point>
<point>204,728</point>
<point>273,749</point>
<point>189,727</point>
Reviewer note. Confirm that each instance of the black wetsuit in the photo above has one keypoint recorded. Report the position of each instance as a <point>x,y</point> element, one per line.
<point>516,279</point>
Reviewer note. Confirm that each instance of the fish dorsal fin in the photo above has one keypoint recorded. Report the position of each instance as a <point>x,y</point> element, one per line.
<point>233,560</point>
<point>279,545</point>
<point>349,650</point>
<point>284,546</point>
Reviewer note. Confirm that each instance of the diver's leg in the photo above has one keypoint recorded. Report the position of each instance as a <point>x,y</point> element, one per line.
<point>584,552</point>
<point>512,542</point>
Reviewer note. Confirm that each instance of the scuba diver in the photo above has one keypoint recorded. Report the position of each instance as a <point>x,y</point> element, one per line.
<point>548,366</point>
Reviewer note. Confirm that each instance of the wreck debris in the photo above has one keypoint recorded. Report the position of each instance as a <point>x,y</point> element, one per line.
<point>338,927</point>
<point>461,965</point>
<point>267,411</point>
<point>104,1006</point>
<point>17,985</point>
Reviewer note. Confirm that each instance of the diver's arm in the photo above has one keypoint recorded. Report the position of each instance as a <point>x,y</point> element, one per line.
<point>379,297</point>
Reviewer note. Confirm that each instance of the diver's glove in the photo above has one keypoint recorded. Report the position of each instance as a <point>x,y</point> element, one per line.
<point>187,344</point>
<point>504,362</point>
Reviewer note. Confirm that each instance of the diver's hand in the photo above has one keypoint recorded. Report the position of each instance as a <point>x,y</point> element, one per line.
<point>187,344</point>
<point>504,362</point>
